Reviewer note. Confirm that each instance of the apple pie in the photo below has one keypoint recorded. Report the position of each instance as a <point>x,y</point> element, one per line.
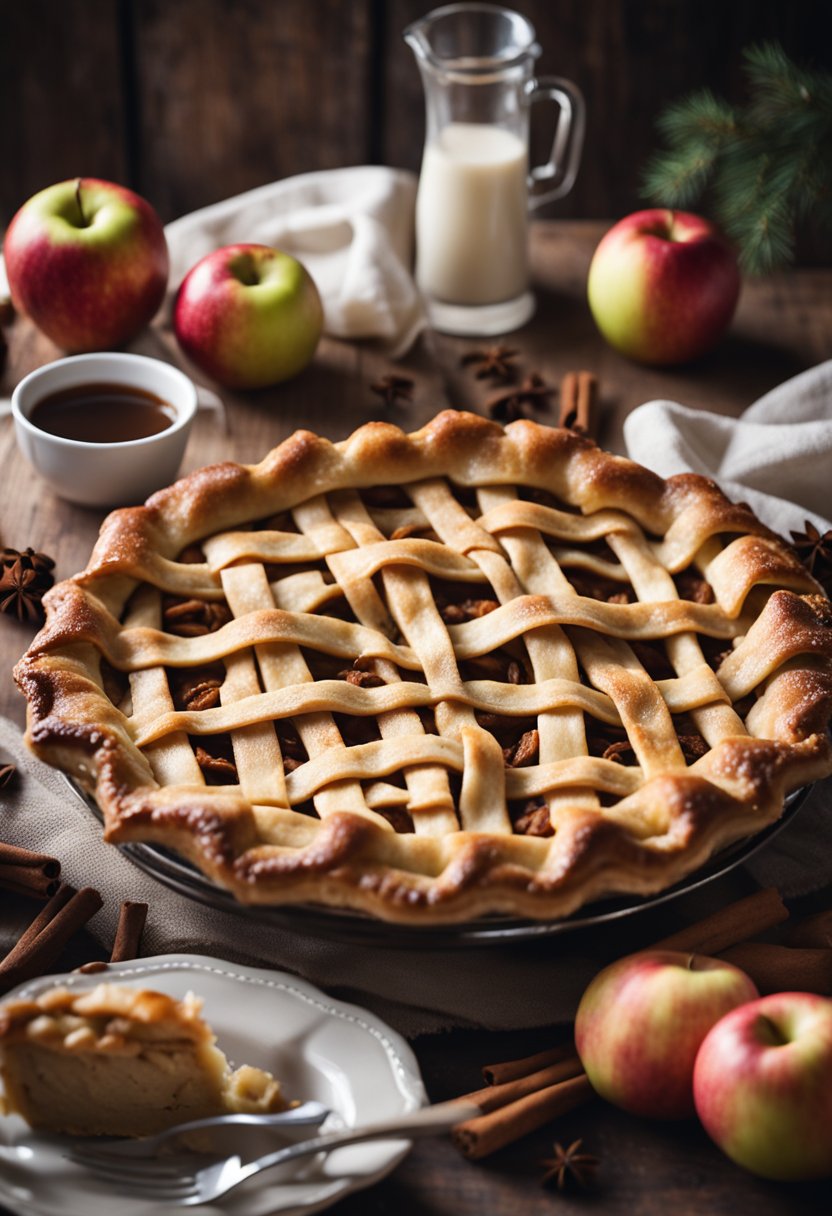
<point>431,677</point>
<point>118,1061</point>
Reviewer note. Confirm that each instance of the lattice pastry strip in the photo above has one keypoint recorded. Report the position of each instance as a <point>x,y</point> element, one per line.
<point>353,585</point>
<point>551,653</point>
<point>247,590</point>
<point>652,582</point>
<point>172,759</point>
<point>430,802</point>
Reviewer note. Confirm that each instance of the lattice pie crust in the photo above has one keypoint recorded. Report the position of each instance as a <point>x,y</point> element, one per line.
<point>433,676</point>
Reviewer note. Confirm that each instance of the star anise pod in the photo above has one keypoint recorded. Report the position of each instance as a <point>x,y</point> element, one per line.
<point>20,595</point>
<point>393,389</point>
<point>521,401</point>
<point>40,563</point>
<point>7,772</point>
<point>493,363</point>
<point>813,547</point>
<point>569,1165</point>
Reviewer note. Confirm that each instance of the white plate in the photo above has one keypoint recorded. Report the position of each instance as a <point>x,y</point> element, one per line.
<point>318,1047</point>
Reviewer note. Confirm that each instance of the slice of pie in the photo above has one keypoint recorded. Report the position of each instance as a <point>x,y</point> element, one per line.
<point>118,1061</point>
<point>435,676</point>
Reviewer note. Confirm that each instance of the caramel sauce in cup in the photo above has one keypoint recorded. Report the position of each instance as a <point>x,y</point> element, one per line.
<point>102,413</point>
<point>104,429</point>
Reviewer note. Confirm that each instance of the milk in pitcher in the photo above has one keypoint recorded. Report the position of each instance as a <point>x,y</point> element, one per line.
<point>471,215</point>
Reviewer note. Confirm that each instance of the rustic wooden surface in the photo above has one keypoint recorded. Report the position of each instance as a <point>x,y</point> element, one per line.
<point>193,101</point>
<point>783,325</point>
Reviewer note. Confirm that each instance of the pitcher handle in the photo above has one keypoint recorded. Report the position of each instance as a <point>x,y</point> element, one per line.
<point>562,165</point>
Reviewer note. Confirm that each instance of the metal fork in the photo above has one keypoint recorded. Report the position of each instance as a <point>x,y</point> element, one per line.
<point>178,1182</point>
<point>87,1152</point>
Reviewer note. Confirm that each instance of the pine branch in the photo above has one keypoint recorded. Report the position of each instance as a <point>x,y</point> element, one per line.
<point>766,165</point>
<point>699,117</point>
<point>679,179</point>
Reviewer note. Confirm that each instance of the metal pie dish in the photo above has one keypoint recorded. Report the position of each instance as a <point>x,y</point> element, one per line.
<point>361,929</point>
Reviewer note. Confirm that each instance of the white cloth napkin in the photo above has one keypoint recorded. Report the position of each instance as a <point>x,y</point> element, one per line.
<point>352,229</point>
<point>778,458</point>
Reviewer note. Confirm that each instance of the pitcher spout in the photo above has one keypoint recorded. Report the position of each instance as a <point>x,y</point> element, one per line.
<point>471,39</point>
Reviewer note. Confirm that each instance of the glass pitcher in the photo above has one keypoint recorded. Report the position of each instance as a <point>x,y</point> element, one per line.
<point>475,187</point>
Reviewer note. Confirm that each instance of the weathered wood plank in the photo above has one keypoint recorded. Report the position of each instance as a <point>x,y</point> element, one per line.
<point>61,102</point>
<point>232,95</point>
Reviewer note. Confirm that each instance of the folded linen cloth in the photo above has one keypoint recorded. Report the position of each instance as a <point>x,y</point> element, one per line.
<point>352,229</point>
<point>777,457</point>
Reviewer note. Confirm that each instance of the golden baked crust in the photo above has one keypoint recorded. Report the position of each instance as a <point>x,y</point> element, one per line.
<point>119,1061</point>
<point>396,786</point>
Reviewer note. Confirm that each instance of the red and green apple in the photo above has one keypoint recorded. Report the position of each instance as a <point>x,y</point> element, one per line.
<point>249,316</point>
<point>763,1085</point>
<point>663,286</point>
<point>87,260</point>
<point>641,1021</point>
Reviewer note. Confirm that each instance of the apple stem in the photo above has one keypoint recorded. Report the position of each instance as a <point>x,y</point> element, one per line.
<point>78,201</point>
<point>772,1031</point>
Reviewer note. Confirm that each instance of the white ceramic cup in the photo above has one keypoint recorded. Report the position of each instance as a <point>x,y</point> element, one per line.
<point>105,474</point>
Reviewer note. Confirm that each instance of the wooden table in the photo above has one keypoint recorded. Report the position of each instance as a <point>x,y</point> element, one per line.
<point>783,325</point>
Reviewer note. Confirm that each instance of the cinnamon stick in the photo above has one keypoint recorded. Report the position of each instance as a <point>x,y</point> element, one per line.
<point>131,919</point>
<point>13,855</point>
<point>578,401</point>
<point>28,873</point>
<point>783,969</point>
<point>495,1096</point>
<point>729,926</point>
<point>21,880</point>
<point>47,913</point>
<point>510,1070</point>
<point>40,951</point>
<point>812,931</point>
<point>485,1134</point>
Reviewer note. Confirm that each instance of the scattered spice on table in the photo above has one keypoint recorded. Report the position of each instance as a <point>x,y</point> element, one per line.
<point>24,578</point>
<point>41,944</point>
<point>131,921</point>
<point>814,548</point>
<point>492,363</point>
<point>7,774</point>
<point>579,402</point>
<point>522,400</point>
<point>393,389</point>
<point>569,1166</point>
<point>28,873</point>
